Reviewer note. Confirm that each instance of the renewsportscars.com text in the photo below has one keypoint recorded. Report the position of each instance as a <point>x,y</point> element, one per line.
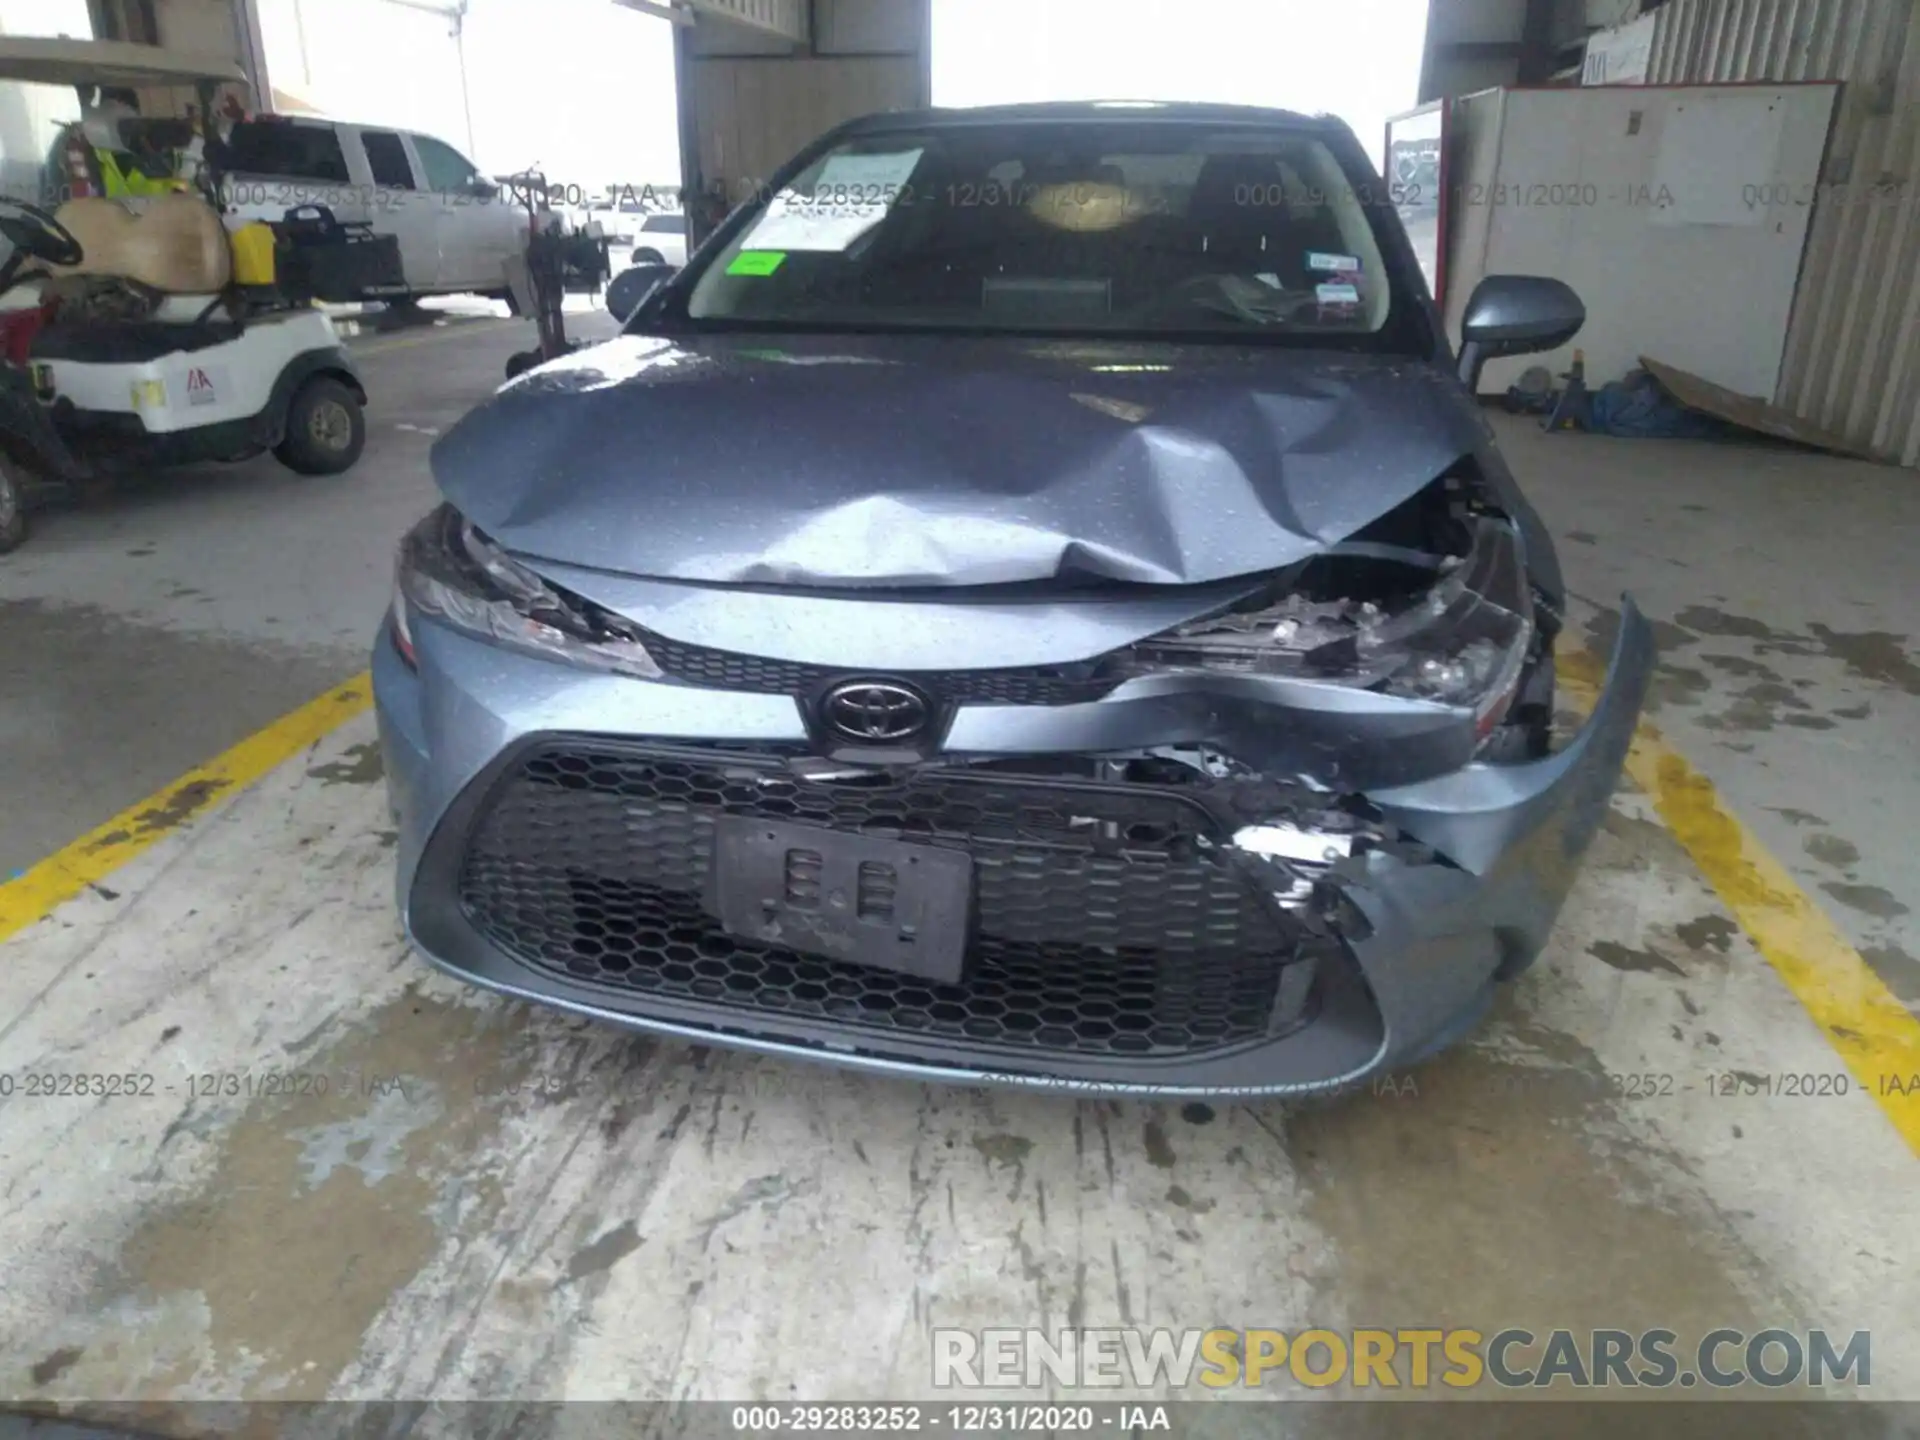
<point>1380,1359</point>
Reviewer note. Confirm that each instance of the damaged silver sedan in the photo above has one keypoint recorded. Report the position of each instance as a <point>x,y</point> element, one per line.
<point>1033,601</point>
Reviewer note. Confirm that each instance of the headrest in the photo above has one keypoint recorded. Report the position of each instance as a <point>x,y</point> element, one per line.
<point>101,125</point>
<point>1084,205</point>
<point>1226,181</point>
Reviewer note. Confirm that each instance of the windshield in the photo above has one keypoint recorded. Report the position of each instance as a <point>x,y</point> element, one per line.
<point>1136,229</point>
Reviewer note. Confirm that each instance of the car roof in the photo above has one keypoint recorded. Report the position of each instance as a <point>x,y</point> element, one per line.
<point>1082,111</point>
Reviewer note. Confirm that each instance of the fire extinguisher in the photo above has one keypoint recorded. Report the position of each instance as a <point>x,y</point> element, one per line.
<point>76,167</point>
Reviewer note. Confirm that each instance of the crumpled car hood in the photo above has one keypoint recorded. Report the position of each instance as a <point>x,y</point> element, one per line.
<point>860,461</point>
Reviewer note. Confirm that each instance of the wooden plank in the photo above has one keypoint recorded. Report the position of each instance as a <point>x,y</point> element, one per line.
<point>1749,412</point>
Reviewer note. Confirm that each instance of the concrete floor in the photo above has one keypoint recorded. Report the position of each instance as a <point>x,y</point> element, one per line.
<point>141,635</point>
<point>1790,644</point>
<point>491,1201</point>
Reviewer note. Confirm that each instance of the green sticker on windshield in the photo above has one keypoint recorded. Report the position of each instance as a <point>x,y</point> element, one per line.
<point>756,262</point>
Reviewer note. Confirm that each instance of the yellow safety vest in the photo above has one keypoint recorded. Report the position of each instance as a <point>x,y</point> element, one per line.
<point>132,180</point>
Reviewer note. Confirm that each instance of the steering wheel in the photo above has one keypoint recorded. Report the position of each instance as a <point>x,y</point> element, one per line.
<point>34,234</point>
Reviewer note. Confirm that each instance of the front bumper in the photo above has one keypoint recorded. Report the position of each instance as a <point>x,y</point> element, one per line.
<point>1406,947</point>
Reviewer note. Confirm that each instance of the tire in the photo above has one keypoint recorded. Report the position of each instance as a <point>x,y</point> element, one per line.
<point>646,255</point>
<point>514,307</point>
<point>326,429</point>
<point>13,508</point>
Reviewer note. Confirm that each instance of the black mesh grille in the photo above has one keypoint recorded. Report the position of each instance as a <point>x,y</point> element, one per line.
<point>1036,685</point>
<point>1100,927</point>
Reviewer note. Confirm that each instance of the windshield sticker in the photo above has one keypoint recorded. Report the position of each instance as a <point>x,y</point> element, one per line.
<point>756,262</point>
<point>1338,294</point>
<point>863,172</point>
<point>1339,264</point>
<point>851,195</point>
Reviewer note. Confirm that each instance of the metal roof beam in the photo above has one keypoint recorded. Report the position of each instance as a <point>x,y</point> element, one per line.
<point>783,19</point>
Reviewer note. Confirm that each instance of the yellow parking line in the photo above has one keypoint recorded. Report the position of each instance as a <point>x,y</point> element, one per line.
<point>37,892</point>
<point>63,875</point>
<point>1876,1035</point>
<point>1863,1020</point>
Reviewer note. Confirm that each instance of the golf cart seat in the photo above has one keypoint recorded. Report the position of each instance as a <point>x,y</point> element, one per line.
<point>177,247</point>
<point>147,284</point>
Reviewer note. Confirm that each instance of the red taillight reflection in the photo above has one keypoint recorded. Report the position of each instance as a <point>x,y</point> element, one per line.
<point>402,641</point>
<point>1490,719</point>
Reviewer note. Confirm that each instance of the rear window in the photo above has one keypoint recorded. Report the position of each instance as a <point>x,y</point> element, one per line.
<point>387,158</point>
<point>666,224</point>
<point>299,152</point>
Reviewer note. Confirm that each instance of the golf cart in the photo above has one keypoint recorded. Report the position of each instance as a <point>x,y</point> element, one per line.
<point>136,329</point>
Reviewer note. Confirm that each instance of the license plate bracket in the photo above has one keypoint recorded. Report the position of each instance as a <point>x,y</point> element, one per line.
<point>865,900</point>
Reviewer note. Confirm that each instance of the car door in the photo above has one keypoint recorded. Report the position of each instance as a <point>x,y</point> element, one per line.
<point>401,206</point>
<point>666,235</point>
<point>469,211</point>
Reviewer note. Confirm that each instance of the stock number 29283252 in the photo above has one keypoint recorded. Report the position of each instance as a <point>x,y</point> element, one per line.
<point>82,1084</point>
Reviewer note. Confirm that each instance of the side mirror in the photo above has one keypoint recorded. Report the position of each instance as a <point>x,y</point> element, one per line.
<point>631,287</point>
<point>1516,315</point>
<point>482,189</point>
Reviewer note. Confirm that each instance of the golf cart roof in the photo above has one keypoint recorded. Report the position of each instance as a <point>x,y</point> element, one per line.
<point>41,61</point>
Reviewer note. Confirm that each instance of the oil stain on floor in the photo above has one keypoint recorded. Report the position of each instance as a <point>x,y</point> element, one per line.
<point>319,1208</point>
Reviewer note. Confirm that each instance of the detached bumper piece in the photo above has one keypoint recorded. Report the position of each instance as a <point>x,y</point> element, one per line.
<point>1106,926</point>
<point>1139,925</point>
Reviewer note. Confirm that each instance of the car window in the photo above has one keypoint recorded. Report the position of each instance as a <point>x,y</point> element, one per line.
<point>1132,228</point>
<point>387,158</point>
<point>446,167</point>
<point>665,224</point>
<point>298,152</point>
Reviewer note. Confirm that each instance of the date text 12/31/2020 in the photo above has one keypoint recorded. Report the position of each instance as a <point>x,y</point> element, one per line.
<point>193,1085</point>
<point>1728,1084</point>
<point>990,1418</point>
<point>989,194</point>
<point>516,191</point>
<point>1586,194</point>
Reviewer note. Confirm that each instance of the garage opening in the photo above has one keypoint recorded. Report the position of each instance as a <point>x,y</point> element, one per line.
<point>1363,65</point>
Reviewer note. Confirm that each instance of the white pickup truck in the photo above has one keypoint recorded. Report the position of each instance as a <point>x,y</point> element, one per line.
<point>456,229</point>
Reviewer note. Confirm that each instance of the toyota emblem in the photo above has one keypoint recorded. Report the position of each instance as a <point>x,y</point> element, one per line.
<point>875,711</point>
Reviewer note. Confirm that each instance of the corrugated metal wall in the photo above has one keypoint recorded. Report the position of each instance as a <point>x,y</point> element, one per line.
<point>1853,347</point>
<point>757,112</point>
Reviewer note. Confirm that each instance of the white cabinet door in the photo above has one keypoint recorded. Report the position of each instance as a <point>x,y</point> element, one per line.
<point>402,207</point>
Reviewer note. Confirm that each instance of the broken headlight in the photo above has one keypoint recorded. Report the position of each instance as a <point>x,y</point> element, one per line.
<point>1454,629</point>
<point>451,571</point>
